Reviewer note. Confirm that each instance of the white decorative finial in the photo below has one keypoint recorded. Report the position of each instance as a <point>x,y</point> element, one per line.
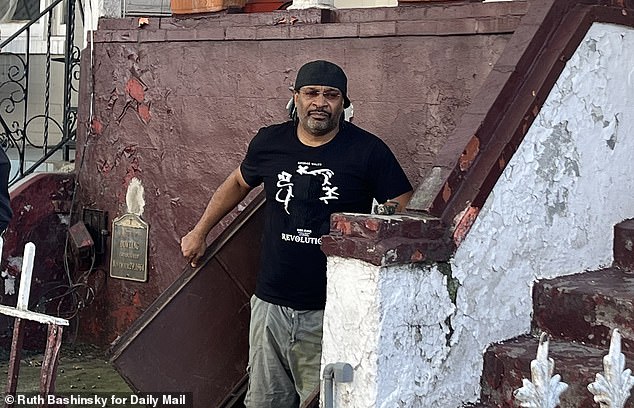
<point>612,388</point>
<point>25,277</point>
<point>545,389</point>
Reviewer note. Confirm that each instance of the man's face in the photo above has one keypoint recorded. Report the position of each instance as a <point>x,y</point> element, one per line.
<point>319,108</point>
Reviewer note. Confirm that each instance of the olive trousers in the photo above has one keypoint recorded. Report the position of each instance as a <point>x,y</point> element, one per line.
<point>284,355</point>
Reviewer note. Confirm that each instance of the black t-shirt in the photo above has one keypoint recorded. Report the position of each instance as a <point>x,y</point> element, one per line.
<point>304,185</point>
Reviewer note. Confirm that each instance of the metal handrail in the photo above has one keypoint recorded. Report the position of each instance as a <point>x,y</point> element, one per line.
<point>17,122</point>
<point>29,24</point>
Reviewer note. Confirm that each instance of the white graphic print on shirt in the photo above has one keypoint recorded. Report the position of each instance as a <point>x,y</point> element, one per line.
<point>302,237</point>
<point>285,185</point>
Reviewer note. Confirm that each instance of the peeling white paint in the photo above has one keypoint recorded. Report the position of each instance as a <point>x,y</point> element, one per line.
<point>553,210</point>
<point>134,197</point>
<point>551,214</point>
<point>389,324</point>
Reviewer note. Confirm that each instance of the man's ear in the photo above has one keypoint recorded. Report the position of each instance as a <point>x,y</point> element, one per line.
<point>291,109</point>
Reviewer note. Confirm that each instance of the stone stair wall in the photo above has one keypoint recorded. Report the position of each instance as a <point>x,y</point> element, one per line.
<point>578,312</point>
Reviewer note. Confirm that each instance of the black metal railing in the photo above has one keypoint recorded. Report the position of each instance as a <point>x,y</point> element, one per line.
<point>37,116</point>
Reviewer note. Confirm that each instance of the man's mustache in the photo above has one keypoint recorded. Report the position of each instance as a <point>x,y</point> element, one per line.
<point>320,111</point>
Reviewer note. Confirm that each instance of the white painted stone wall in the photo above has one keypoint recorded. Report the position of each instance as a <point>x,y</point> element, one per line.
<point>94,10</point>
<point>551,214</point>
<point>389,324</point>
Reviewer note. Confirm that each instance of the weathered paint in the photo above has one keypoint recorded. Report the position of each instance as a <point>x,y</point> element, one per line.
<point>551,213</point>
<point>387,239</point>
<point>41,204</point>
<point>585,307</point>
<point>553,210</point>
<point>389,323</point>
<point>509,362</point>
<point>135,197</point>
<point>179,113</point>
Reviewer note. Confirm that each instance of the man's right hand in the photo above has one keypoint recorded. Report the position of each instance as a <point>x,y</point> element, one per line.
<point>193,246</point>
<point>227,196</point>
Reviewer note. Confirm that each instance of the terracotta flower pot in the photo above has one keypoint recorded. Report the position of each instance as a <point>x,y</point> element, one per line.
<point>204,6</point>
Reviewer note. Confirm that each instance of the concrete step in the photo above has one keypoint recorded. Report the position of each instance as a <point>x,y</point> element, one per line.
<point>586,307</point>
<point>507,363</point>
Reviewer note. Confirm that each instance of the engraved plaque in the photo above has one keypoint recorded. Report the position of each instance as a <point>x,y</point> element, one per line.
<point>128,258</point>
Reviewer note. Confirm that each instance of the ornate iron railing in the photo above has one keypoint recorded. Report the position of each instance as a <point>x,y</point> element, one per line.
<point>37,116</point>
<point>611,389</point>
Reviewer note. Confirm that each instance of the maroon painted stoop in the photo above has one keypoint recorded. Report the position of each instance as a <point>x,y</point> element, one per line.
<point>578,312</point>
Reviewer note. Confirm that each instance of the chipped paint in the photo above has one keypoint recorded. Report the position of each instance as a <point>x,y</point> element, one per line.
<point>135,89</point>
<point>97,126</point>
<point>470,153</point>
<point>446,192</point>
<point>64,219</point>
<point>144,112</point>
<point>550,214</point>
<point>135,197</point>
<point>389,324</point>
<point>553,210</point>
<point>464,222</point>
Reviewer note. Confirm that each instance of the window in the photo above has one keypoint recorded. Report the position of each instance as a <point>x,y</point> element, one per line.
<point>26,10</point>
<point>147,8</point>
<point>64,16</point>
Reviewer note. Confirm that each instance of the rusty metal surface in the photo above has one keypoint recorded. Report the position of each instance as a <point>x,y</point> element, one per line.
<point>51,359</point>
<point>14,358</point>
<point>194,337</point>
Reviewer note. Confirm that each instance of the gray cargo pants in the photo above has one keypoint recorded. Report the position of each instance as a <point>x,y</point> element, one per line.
<point>284,355</point>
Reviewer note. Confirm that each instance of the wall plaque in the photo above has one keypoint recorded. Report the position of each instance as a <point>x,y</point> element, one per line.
<point>128,259</point>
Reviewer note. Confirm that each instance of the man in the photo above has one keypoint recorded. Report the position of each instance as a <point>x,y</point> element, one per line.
<point>311,167</point>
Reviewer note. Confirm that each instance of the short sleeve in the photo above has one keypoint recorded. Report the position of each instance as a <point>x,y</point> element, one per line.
<point>251,165</point>
<point>387,178</point>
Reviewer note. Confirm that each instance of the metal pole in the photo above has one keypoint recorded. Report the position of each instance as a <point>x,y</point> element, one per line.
<point>14,359</point>
<point>68,69</point>
<point>51,359</point>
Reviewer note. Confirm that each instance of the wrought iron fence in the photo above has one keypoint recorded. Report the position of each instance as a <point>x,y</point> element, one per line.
<point>39,77</point>
<point>611,389</point>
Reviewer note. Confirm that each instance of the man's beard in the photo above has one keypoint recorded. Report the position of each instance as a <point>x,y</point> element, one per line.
<point>320,127</point>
